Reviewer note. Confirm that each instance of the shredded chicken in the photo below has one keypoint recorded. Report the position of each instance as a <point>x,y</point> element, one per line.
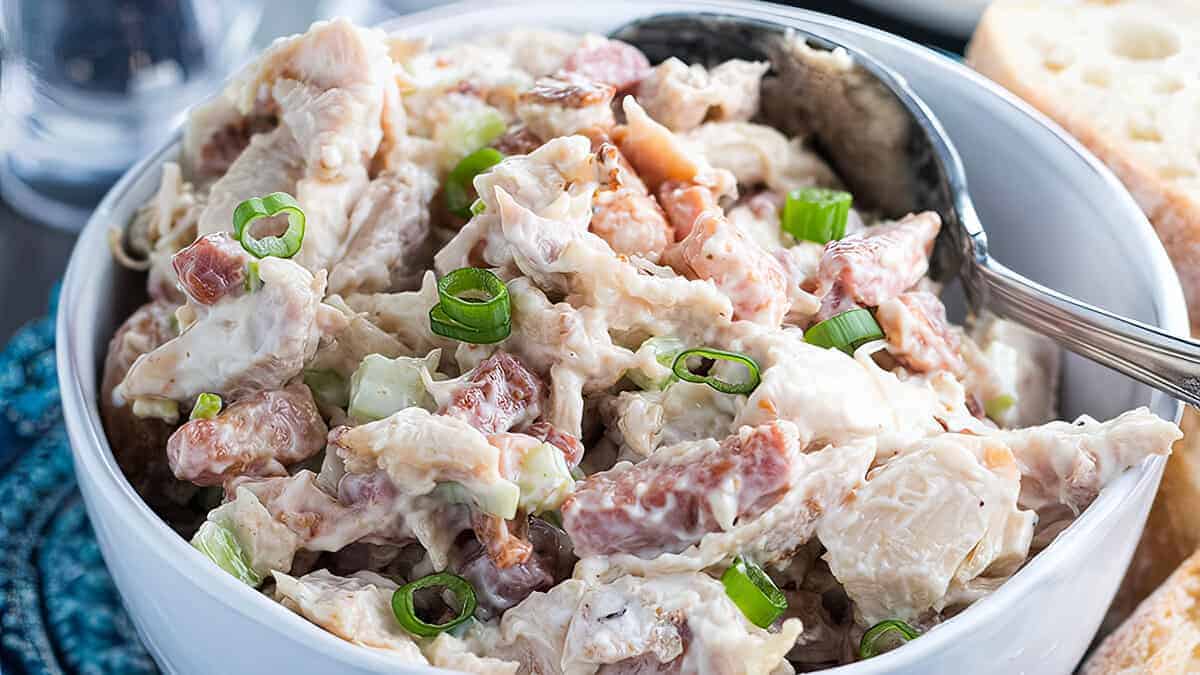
<point>592,482</point>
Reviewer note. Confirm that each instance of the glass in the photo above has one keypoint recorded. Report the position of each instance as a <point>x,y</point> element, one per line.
<point>87,87</point>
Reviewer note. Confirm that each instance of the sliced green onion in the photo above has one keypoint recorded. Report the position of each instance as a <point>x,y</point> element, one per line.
<point>846,331</point>
<point>473,307</point>
<point>460,295</point>
<point>283,246</point>
<point>478,207</point>
<point>753,592</point>
<point>459,190</point>
<point>253,281</point>
<point>328,387</point>
<point>996,406</point>
<point>681,370</point>
<point>406,613</point>
<point>466,132</point>
<point>443,325</point>
<point>664,348</point>
<point>885,636</point>
<point>220,546</point>
<point>816,214</point>
<point>207,406</point>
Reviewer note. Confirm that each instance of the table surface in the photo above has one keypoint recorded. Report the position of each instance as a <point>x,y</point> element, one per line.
<point>33,256</point>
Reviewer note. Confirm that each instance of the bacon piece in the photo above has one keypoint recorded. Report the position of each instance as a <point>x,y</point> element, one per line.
<point>500,393</point>
<point>256,436</point>
<point>569,91</point>
<point>211,268</point>
<point>609,61</point>
<point>753,279</point>
<point>517,141</point>
<point>624,213</point>
<point>504,540</point>
<point>918,334</point>
<point>571,447</point>
<point>879,263</point>
<point>670,501</point>
<point>564,105</point>
<point>684,202</point>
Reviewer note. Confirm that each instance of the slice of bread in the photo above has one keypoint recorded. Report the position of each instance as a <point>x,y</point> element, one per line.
<point>1123,76</point>
<point>1162,637</point>
<point>1173,529</point>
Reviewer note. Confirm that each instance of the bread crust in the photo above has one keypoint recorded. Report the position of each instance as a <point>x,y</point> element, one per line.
<point>1173,529</point>
<point>1161,635</point>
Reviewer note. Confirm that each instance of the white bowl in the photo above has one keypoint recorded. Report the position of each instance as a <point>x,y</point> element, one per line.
<point>1053,213</point>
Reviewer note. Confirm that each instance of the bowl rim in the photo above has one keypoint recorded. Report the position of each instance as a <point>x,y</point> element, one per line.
<point>94,457</point>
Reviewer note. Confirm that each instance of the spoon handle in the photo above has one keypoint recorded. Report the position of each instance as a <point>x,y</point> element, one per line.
<point>1148,354</point>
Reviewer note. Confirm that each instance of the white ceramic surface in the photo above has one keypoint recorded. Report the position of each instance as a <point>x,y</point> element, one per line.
<point>1052,211</point>
<point>954,17</point>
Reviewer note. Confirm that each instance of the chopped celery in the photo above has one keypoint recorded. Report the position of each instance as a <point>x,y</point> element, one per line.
<point>545,479</point>
<point>382,386</point>
<point>158,408</point>
<point>500,499</point>
<point>467,132</point>
<point>221,547</point>
<point>654,373</point>
<point>328,387</point>
<point>453,493</point>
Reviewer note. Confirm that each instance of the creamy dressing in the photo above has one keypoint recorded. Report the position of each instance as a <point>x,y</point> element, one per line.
<point>902,465</point>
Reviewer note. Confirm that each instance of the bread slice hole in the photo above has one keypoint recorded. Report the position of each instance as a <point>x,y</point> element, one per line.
<point>1054,66</point>
<point>1141,41</point>
<point>1097,77</point>
<point>1168,85</point>
<point>1144,131</point>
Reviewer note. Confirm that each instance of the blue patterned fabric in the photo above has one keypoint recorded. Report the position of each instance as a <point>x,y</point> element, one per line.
<point>59,610</point>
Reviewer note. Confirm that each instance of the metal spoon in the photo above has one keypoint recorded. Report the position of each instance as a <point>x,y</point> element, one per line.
<point>894,156</point>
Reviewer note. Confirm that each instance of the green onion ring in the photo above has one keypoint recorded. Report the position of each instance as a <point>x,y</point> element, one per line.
<point>441,324</point>
<point>283,246</point>
<point>206,408</point>
<point>466,319</point>
<point>406,613</point>
<point>749,587</point>
<point>816,214</point>
<point>680,368</point>
<point>253,280</point>
<point>846,331</point>
<point>459,191</point>
<point>479,314</point>
<point>895,629</point>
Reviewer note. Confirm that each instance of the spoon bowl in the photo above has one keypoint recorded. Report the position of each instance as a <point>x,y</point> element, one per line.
<point>894,156</point>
